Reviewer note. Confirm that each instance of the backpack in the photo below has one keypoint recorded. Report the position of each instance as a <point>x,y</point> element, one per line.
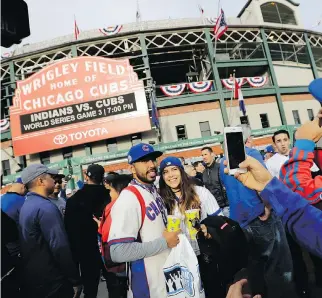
<point>106,223</point>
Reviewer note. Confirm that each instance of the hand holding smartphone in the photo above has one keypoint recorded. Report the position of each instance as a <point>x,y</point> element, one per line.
<point>234,149</point>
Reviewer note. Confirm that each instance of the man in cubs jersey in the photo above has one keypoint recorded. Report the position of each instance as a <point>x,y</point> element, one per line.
<point>142,241</point>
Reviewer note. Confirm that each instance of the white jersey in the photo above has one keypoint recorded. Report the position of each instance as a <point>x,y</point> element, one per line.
<point>209,206</point>
<point>147,277</point>
<point>275,163</point>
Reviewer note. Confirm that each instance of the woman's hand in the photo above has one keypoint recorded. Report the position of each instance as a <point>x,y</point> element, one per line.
<point>205,231</point>
<point>98,221</point>
<point>235,290</point>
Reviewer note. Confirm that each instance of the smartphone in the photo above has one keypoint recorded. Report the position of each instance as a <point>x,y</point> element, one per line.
<point>68,177</point>
<point>234,149</point>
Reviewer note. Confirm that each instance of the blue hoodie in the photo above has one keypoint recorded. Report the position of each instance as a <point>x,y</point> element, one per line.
<point>245,204</point>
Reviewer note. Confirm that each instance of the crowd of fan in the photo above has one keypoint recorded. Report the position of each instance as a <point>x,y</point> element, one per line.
<point>250,240</point>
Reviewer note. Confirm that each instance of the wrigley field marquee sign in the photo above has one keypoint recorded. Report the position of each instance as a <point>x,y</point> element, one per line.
<point>76,101</point>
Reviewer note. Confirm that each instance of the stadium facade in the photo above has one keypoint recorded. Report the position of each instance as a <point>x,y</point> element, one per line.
<point>265,48</point>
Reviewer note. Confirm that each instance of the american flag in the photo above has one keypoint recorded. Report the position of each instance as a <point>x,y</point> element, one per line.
<point>221,25</point>
<point>138,16</point>
<point>76,30</point>
<point>200,9</point>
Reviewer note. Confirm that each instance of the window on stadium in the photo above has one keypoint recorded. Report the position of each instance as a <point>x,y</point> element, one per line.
<point>136,139</point>
<point>67,152</point>
<point>44,157</point>
<point>181,132</point>
<point>317,54</point>
<point>288,53</point>
<point>244,120</point>
<point>310,114</point>
<point>264,120</point>
<point>296,116</point>
<point>205,129</point>
<point>278,13</point>
<point>6,167</point>
<point>88,149</point>
<point>111,145</point>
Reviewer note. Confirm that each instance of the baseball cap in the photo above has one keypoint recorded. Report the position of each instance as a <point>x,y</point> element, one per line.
<point>315,89</point>
<point>269,149</point>
<point>95,171</point>
<point>141,150</point>
<point>35,170</point>
<point>19,180</point>
<point>170,161</point>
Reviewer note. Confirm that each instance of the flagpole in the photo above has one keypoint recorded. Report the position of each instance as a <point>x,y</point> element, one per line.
<point>232,96</point>
<point>215,48</point>
<point>221,95</point>
<point>153,98</point>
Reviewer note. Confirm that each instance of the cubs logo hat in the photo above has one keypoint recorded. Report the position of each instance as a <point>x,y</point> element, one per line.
<point>170,161</point>
<point>269,149</point>
<point>315,89</point>
<point>19,180</point>
<point>140,151</point>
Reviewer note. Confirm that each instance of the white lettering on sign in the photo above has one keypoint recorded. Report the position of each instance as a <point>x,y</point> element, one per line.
<point>51,100</point>
<point>80,135</point>
<point>49,75</point>
<point>61,139</point>
<point>105,68</point>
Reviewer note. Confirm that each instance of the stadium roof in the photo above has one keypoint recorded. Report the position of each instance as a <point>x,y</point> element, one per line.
<point>250,1</point>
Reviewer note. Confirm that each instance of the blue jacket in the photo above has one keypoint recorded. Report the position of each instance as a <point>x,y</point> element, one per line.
<point>47,262</point>
<point>11,203</point>
<point>303,221</point>
<point>245,205</point>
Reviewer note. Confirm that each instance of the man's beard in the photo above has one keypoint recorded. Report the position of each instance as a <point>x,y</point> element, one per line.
<point>144,179</point>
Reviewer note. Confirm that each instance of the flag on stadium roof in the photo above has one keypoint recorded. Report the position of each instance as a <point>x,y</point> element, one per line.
<point>201,9</point>
<point>138,14</point>
<point>76,30</point>
<point>221,25</point>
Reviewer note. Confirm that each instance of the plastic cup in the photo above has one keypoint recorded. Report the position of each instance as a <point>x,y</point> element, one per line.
<point>190,216</point>
<point>173,223</point>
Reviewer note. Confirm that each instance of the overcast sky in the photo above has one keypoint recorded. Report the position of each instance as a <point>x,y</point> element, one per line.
<point>50,19</point>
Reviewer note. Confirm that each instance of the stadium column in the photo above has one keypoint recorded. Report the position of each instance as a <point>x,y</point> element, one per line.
<point>12,80</point>
<point>73,50</point>
<point>145,59</point>
<point>311,57</point>
<point>216,77</point>
<point>274,79</point>
<point>149,78</point>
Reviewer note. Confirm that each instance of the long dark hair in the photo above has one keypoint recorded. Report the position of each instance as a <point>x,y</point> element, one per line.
<point>119,182</point>
<point>189,198</point>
